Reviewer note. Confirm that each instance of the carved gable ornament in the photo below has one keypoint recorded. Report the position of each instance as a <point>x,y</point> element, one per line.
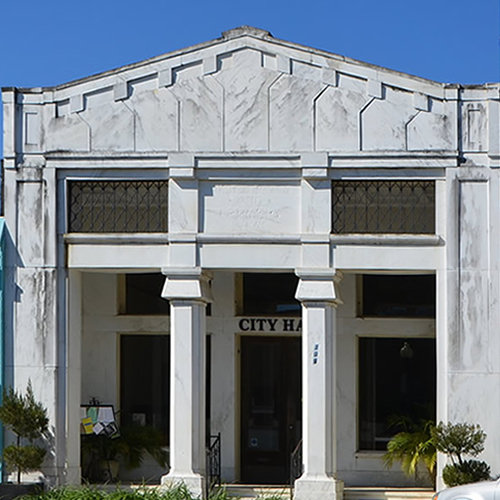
<point>245,92</point>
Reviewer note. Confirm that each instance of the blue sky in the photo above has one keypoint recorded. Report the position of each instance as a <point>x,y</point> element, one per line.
<point>45,43</point>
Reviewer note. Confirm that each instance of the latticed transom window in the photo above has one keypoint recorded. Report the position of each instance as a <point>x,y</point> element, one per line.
<point>390,207</point>
<point>118,206</point>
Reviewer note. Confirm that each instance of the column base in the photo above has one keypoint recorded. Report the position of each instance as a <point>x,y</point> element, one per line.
<point>318,488</point>
<point>195,483</point>
<point>73,476</point>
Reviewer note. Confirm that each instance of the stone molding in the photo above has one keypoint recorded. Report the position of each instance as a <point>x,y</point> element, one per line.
<point>187,284</point>
<point>318,285</point>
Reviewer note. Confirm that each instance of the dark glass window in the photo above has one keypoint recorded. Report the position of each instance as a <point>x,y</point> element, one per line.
<point>145,381</point>
<point>143,294</point>
<point>118,206</point>
<point>399,295</point>
<point>397,378</point>
<point>269,293</point>
<point>391,207</point>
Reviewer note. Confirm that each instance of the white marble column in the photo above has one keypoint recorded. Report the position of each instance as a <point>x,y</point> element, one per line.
<point>318,294</point>
<point>188,291</point>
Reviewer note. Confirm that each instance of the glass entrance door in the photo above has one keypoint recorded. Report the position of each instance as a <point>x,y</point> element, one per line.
<point>271,409</point>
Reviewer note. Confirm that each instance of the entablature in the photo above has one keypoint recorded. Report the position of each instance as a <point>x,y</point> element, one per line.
<point>204,165</point>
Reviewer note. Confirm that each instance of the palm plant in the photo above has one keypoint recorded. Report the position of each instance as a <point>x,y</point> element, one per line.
<point>130,446</point>
<point>413,445</point>
<point>135,441</point>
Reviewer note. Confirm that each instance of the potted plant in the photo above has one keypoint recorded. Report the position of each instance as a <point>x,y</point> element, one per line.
<point>102,454</point>
<point>413,445</point>
<point>28,420</point>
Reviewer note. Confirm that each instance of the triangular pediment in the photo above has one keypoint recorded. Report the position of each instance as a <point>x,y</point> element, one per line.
<point>282,55</point>
<point>248,91</point>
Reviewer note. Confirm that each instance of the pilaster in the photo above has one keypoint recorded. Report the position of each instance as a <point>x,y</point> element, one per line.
<point>72,470</point>
<point>183,210</point>
<point>316,222</point>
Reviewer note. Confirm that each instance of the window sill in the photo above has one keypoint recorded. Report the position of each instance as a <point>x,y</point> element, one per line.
<point>369,454</point>
<point>115,238</point>
<point>416,240</point>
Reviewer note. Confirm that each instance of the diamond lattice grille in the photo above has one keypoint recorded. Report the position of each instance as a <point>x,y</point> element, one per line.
<point>118,207</point>
<point>391,207</point>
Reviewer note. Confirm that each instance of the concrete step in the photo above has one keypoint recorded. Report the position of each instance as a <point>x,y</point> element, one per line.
<point>367,493</point>
<point>252,491</point>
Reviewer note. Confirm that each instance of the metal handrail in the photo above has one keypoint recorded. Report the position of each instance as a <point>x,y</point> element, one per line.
<point>296,465</point>
<point>213,463</point>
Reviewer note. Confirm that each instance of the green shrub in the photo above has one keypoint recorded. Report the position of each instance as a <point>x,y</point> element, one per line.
<point>24,458</point>
<point>180,492</point>
<point>218,494</point>
<point>457,440</point>
<point>469,471</point>
<point>88,493</point>
<point>29,421</point>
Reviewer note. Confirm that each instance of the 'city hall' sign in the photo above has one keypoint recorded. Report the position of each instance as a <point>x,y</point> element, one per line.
<point>270,324</point>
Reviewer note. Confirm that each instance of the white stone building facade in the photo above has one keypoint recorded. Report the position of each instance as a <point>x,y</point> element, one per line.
<point>326,233</point>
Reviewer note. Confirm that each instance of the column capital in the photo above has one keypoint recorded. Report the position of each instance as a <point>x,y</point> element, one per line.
<point>187,284</point>
<point>318,285</point>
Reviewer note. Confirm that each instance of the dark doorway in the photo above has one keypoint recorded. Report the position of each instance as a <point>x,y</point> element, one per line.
<point>271,409</point>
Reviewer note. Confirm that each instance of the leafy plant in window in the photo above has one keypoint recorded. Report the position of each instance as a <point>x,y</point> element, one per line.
<point>28,420</point>
<point>413,445</point>
<point>130,447</point>
<point>457,440</point>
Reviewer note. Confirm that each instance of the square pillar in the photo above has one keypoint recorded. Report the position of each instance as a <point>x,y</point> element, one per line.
<point>317,291</point>
<point>188,292</point>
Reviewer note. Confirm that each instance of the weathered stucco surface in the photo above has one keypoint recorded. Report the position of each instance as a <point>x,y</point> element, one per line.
<point>250,131</point>
<point>245,106</point>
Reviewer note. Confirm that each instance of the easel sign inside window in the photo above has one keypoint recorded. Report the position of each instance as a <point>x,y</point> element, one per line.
<point>99,420</point>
